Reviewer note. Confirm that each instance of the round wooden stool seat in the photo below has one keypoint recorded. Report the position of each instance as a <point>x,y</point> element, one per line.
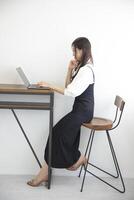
<point>98,123</point>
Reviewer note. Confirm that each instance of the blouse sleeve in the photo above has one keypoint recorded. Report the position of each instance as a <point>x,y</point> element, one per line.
<point>80,83</point>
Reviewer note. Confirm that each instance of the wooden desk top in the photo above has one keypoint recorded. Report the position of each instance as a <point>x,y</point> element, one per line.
<point>21,89</point>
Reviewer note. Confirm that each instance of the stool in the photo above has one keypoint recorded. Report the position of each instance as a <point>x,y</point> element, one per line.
<point>102,124</point>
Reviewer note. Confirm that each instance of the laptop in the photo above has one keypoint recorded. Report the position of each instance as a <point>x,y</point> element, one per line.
<point>26,81</point>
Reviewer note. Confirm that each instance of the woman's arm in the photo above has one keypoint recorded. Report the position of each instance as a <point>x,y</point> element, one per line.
<point>72,65</point>
<point>68,77</point>
<point>57,89</point>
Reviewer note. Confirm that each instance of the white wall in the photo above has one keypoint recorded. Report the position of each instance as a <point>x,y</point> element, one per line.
<point>38,35</point>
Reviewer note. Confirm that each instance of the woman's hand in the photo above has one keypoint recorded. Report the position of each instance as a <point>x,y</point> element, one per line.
<point>72,64</point>
<point>52,87</point>
<point>43,84</point>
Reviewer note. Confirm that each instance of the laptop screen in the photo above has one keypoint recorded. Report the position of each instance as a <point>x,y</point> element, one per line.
<point>23,76</point>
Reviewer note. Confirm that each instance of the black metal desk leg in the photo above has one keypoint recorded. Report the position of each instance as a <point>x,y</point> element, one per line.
<point>26,137</point>
<point>50,143</point>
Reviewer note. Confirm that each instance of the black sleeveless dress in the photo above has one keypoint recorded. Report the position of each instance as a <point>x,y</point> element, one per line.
<point>66,133</point>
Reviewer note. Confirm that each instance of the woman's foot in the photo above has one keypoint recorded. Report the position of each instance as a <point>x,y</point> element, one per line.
<point>82,161</point>
<point>35,182</point>
<point>41,177</point>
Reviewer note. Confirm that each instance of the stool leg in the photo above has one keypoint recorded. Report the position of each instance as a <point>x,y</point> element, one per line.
<point>117,165</point>
<point>113,154</point>
<point>85,152</point>
<point>92,137</point>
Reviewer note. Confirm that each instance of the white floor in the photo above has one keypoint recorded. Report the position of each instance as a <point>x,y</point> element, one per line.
<point>15,188</point>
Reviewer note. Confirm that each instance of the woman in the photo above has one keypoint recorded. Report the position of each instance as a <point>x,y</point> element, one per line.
<point>66,133</point>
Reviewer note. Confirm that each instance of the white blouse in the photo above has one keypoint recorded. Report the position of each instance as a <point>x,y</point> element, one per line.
<point>80,82</point>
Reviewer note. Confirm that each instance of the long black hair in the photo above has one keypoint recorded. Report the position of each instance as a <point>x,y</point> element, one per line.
<point>84,44</point>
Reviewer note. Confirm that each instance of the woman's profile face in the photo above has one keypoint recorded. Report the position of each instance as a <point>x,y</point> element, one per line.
<point>77,53</point>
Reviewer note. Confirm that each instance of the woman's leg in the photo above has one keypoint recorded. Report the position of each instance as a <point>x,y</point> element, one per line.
<point>42,176</point>
<point>65,142</point>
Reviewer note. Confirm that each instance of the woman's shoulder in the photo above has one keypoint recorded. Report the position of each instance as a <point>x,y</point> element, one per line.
<point>86,68</point>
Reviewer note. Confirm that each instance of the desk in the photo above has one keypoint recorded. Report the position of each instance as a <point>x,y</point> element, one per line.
<point>12,105</point>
